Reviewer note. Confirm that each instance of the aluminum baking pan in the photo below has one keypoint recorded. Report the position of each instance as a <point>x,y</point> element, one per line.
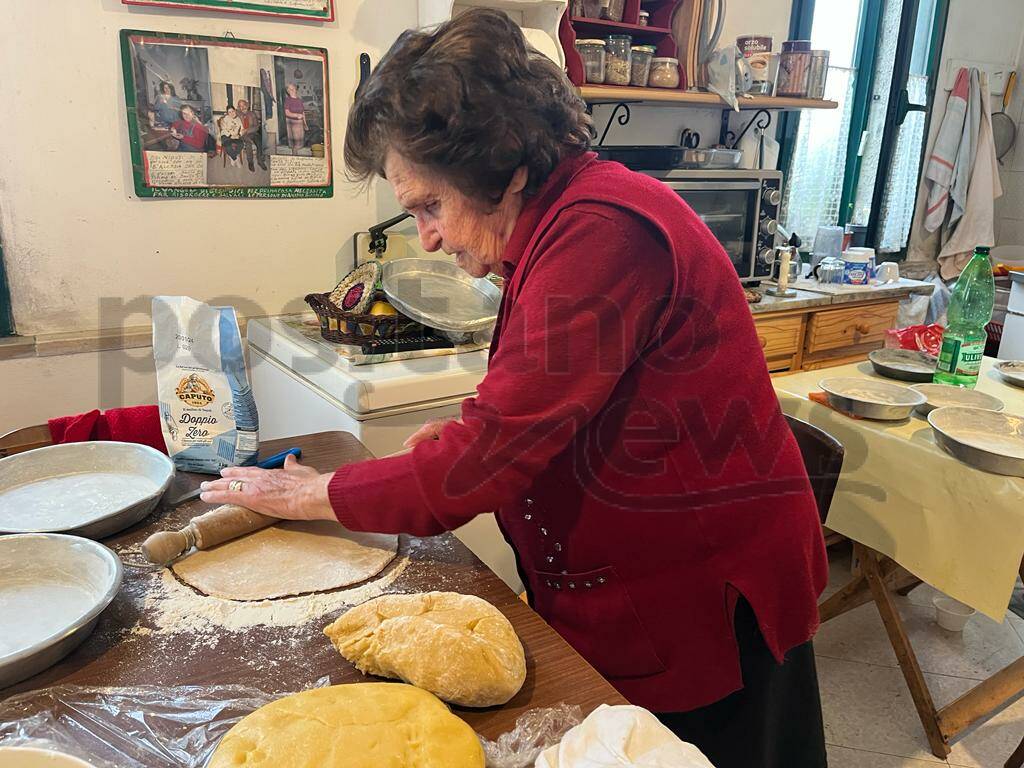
<point>89,489</point>
<point>903,364</point>
<point>941,395</point>
<point>1012,371</point>
<point>993,442</point>
<point>870,398</point>
<point>53,589</point>
<point>441,295</point>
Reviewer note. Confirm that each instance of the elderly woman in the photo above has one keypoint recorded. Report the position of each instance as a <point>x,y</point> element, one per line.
<point>627,431</point>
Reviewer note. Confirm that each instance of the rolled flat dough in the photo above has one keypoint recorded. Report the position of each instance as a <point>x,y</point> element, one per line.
<point>291,558</point>
<point>360,725</point>
<point>459,647</point>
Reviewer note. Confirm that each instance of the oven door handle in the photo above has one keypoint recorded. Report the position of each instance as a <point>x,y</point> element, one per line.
<point>714,186</point>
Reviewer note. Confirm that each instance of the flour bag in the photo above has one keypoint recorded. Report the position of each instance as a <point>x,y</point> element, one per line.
<point>207,411</point>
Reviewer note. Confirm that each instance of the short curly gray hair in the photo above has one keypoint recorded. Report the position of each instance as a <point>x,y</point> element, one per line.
<point>471,101</point>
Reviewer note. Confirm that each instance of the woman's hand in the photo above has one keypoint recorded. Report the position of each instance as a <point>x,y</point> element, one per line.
<point>293,492</point>
<point>429,431</point>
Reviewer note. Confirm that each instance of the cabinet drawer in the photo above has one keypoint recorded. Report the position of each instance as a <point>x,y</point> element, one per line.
<point>835,328</point>
<point>779,336</point>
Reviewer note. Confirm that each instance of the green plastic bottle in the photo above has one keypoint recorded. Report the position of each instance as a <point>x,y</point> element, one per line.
<point>970,309</point>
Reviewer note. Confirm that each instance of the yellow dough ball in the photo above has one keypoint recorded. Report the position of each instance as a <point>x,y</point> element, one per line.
<point>382,308</point>
<point>360,725</point>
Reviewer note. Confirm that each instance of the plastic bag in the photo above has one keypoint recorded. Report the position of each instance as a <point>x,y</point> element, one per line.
<point>924,338</point>
<point>535,731</point>
<point>137,727</point>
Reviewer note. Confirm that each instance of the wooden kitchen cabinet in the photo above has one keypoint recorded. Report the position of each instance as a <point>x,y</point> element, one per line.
<point>781,340</point>
<point>821,337</point>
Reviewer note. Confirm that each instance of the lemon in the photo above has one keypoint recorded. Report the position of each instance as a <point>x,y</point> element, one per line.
<point>382,308</point>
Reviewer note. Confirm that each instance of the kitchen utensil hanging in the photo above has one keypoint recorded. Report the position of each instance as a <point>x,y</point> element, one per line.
<point>1004,130</point>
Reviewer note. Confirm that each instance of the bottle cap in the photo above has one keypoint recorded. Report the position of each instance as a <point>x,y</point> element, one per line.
<point>983,249</point>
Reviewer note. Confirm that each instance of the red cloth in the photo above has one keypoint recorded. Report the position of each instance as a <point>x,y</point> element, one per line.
<point>138,424</point>
<point>192,132</point>
<point>629,434</point>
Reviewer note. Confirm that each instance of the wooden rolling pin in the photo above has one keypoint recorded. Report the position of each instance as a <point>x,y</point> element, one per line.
<point>208,530</point>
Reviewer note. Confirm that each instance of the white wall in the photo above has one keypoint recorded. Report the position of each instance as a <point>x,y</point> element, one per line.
<point>83,253</point>
<point>72,228</point>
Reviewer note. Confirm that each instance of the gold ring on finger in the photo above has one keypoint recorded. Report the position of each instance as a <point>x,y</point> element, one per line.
<point>236,485</point>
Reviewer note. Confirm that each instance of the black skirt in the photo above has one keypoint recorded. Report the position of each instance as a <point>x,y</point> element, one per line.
<point>774,721</point>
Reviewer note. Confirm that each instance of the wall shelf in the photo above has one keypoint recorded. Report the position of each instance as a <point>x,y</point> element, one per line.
<point>616,94</point>
<point>598,27</point>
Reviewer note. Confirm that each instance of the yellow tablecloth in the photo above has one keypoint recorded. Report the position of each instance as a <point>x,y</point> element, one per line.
<point>955,527</point>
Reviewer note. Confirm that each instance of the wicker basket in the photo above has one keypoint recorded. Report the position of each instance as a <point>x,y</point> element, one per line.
<point>340,327</point>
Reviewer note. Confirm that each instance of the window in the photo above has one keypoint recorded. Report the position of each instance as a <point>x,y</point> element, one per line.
<point>6,318</point>
<point>859,164</point>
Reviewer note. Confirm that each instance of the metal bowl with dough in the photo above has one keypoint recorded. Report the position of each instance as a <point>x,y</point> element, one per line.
<point>870,398</point>
<point>987,440</point>
<point>53,589</point>
<point>1012,371</point>
<point>89,489</point>
<point>903,364</point>
<point>941,395</point>
<point>31,757</point>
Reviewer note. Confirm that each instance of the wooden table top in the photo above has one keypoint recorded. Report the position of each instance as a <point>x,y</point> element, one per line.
<point>285,659</point>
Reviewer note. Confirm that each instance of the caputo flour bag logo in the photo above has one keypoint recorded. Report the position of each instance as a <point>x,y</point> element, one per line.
<point>207,411</point>
<point>193,390</point>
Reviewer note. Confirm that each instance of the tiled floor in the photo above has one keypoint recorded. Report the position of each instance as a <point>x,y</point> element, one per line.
<point>870,720</point>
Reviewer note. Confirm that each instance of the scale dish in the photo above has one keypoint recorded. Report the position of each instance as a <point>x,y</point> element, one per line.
<point>440,295</point>
<point>56,586</point>
<point>88,489</point>
<point>1012,371</point>
<point>987,440</point>
<point>941,395</point>
<point>903,364</point>
<point>871,399</point>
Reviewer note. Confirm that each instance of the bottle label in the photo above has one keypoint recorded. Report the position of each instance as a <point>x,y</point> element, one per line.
<point>961,357</point>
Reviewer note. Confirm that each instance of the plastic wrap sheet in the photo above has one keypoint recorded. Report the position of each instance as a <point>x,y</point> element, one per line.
<point>180,727</point>
<point>535,731</point>
<point>137,727</point>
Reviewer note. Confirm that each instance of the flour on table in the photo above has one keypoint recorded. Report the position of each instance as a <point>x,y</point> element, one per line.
<point>172,607</point>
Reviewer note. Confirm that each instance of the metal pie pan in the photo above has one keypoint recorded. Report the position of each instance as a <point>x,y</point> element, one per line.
<point>441,295</point>
<point>941,395</point>
<point>870,398</point>
<point>91,489</point>
<point>53,589</point>
<point>990,441</point>
<point>903,364</point>
<point>1012,371</point>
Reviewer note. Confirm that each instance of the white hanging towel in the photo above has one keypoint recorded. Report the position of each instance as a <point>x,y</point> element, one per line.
<point>977,225</point>
<point>967,153</point>
<point>938,170</point>
<point>622,736</point>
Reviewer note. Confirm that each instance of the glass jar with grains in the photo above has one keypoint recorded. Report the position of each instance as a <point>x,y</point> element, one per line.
<point>641,64</point>
<point>592,53</point>
<point>613,9</point>
<point>617,59</point>
<point>664,73</point>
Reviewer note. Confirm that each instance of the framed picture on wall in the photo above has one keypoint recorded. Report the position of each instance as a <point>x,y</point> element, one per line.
<point>320,10</point>
<point>223,117</point>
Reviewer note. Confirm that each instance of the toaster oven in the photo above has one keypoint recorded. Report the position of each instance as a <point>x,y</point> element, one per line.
<point>741,208</point>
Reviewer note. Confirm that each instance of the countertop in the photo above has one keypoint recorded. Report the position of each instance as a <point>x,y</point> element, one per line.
<point>128,648</point>
<point>810,293</point>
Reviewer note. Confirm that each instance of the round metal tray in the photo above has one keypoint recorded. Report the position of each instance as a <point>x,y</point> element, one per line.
<point>903,364</point>
<point>1012,371</point>
<point>89,489</point>
<point>870,398</point>
<point>941,395</point>
<point>440,295</point>
<point>993,442</point>
<point>52,590</point>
